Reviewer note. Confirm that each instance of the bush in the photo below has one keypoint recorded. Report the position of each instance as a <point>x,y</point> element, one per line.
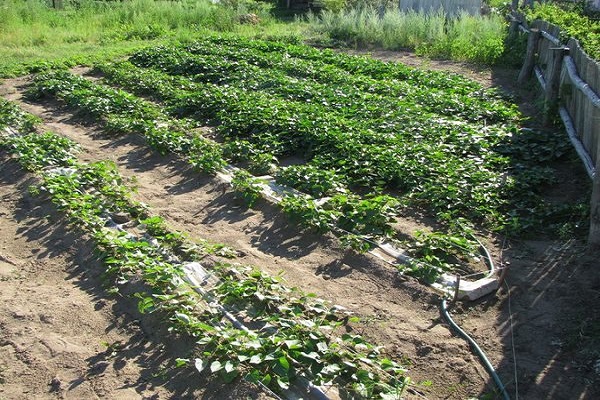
<point>572,23</point>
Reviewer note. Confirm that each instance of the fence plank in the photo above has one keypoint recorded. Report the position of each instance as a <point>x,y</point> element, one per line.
<point>594,235</point>
<point>587,68</point>
<point>552,84</point>
<point>450,7</point>
<point>578,80</point>
<point>529,63</point>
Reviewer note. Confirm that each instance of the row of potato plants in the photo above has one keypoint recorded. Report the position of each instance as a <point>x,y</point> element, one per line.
<point>487,173</point>
<point>353,218</point>
<point>120,111</point>
<point>363,159</point>
<point>291,334</point>
<point>300,80</point>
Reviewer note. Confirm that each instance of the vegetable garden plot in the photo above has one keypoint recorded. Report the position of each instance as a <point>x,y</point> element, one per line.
<point>381,139</point>
<point>443,143</point>
<point>278,318</point>
<point>182,136</point>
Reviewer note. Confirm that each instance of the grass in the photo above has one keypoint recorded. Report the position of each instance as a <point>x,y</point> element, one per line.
<point>32,33</point>
<point>464,38</point>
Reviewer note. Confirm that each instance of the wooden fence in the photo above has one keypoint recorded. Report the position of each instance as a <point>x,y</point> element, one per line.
<point>570,82</point>
<point>450,7</point>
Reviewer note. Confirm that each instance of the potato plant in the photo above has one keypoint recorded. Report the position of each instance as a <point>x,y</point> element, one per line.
<point>383,138</point>
<point>285,335</point>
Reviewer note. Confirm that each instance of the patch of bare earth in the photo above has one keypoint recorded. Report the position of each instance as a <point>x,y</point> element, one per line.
<point>48,270</point>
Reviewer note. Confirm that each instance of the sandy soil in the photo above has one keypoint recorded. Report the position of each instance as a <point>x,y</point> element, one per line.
<point>62,336</point>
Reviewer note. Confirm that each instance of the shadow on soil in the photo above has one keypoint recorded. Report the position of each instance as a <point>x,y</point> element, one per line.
<point>550,299</point>
<point>551,295</point>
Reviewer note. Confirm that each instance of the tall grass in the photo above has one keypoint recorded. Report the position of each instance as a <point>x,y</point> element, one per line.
<point>464,37</point>
<point>33,22</point>
<point>31,30</point>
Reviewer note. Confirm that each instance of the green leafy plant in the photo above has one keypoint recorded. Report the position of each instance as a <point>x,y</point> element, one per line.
<point>311,180</point>
<point>11,115</point>
<point>572,21</point>
<point>435,253</point>
<point>247,187</point>
<point>435,141</point>
<point>36,151</point>
<point>291,334</point>
<point>262,164</point>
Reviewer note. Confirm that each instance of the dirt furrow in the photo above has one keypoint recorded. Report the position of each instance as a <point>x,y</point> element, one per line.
<point>401,314</point>
<point>548,278</point>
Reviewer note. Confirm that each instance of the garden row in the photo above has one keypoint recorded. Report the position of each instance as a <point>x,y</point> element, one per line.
<point>351,216</point>
<point>245,323</point>
<point>369,151</point>
<point>382,128</point>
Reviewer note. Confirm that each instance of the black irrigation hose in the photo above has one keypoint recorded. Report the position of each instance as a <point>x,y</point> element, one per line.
<point>486,362</point>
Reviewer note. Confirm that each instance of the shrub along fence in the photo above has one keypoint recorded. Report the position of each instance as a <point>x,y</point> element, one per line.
<point>570,82</point>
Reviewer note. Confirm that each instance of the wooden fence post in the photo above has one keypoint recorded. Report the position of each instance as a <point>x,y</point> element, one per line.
<point>552,84</point>
<point>529,63</point>
<point>513,29</point>
<point>594,236</point>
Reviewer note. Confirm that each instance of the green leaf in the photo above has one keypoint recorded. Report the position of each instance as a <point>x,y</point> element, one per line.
<point>312,355</point>
<point>283,383</point>
<point>331,369</point>
<point>228,377</point>
<point>181,362</point>
<point>216,366</point>
<point>322,347</point>
<point>229,366</point>
<point>254,344</point>
<point>284,363</point>
<point>183,317</point>
<point>205,340</point>
<point>253,376</point>
<point>145,304</point>
<point>200,364</point>
<point>204,327</point>
<point>255,359</point>
<point>266,379</point>
<point>293,344</point>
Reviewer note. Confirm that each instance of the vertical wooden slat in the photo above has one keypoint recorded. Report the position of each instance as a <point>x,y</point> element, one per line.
<point>579,99</point>
<point>596,127</point>
<point>594,234</point>
<point>543,45</point>
<point>529,62</point>
<point>552,84</point>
